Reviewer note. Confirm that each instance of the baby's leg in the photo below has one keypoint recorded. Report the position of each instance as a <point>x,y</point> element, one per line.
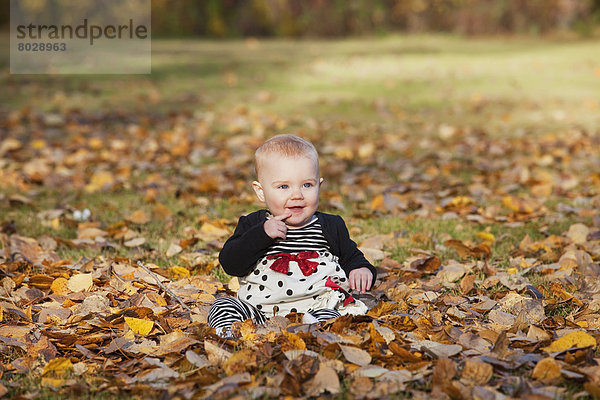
<point>227,310</point>
<point>324,314</point>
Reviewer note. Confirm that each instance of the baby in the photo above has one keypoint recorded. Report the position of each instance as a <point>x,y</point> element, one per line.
<point>290,257</point>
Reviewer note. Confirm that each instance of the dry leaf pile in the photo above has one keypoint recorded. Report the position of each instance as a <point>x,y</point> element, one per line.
<point>453,319</point>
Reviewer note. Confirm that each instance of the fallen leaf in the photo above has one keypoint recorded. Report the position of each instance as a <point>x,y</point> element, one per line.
<point>139,326</point>
<point>80,282</point>
<point>486,237</point>
<point>179,272</point>
<point>240,361</point>
<point>216,355</point>
<point>325,381</point>
<point>546,371</point>
<point>356,355</point>
<point>467,284</point>
<point>198,360</point>
<point>573,339</point>
<point>578,233</point>
<point>139,217</point>
<point>58,367</point>
<point>60,286</point>
<point>476,373</point>
<point>135,242</point>
<point>173,250</point>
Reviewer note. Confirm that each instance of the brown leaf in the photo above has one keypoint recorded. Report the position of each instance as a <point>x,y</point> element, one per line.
<point>161,211</point>
<point>501,345</point>
<point>216,355</point>
<point>467,284</point>
<point>429,264</point>
<point>476,373</point>
<point>443,372</point>
<point>139,217</point>
<point>546,371</point>
<point>482,250</point>
<point>240,361</point>
<point>325,381</point>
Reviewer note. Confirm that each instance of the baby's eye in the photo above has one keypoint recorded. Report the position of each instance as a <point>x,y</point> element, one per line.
<point>307,185</point>
<point>283,186</point>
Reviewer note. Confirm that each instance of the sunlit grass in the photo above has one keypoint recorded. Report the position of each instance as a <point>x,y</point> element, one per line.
<point>505,85</point>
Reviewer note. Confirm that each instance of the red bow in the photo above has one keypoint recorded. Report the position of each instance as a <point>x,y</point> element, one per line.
<point>282,262</point>
<point>348,297</point>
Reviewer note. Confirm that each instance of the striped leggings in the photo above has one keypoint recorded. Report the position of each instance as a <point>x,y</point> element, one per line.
<point>227,310</point>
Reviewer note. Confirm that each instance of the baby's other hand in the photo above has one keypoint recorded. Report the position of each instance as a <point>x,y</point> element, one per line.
<point>275,227</point>
<point>361,279</point>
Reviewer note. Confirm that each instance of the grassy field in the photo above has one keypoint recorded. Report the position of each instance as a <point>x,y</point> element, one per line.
<point>507,85</point>
<point>411,86</point>
<point>422,139</point>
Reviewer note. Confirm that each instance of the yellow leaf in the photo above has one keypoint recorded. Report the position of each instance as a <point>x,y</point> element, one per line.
<point>1,313</point>
<point>99,180</point>
<point>234,284</point>
<point>55,223</point>
<point>378,203</point>
<point>139,326</point>
<point>344,153</point>
<point>156,299</point>
<point>95,143</point>
<point>512,270</point>
<point>212,230</point>
<point>295,342</point>
<point>58,367</point>
<point>180,272</point>
<point>38,144</point>
<point>366,150</point>
<point>53,382</point>
<point>573,339</point>
<point>520,205</point>
<point>240,361</point>
<point>59,286</point>
<point>486,237</point>
<point>460,202</point>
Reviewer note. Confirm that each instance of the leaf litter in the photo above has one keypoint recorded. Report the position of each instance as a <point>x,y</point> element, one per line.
<point>452,319</point>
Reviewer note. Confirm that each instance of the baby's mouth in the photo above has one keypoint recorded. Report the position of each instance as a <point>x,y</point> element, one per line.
<point>296,209</point>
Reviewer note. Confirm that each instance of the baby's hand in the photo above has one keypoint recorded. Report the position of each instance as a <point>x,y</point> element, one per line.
<point>275,227</point>
<point>361,279</point>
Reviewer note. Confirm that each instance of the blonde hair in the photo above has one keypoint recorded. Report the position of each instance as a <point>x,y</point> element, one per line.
<point>286,146</point>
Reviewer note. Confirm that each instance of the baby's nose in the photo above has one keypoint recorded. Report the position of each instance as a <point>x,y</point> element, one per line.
<point>297,194</point>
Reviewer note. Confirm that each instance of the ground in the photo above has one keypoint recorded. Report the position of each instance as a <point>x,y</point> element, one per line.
<point>466,169</point>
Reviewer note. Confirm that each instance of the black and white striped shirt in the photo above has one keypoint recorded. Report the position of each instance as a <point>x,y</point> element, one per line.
<point>309,237</point>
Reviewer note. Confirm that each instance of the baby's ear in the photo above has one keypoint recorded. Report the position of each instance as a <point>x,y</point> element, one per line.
<point>258,189</point>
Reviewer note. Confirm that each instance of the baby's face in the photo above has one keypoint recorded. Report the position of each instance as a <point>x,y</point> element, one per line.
<point>289,185</point>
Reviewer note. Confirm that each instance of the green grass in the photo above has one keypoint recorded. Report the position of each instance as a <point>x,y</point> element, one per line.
<point>509,84</point>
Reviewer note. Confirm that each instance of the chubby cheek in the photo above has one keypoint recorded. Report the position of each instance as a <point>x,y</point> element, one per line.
<point>275,202</point>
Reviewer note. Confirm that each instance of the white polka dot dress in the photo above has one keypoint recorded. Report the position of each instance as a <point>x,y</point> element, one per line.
<point>299,274</point>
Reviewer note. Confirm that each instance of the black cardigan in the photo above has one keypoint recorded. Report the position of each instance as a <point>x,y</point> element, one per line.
<point>249,244</point>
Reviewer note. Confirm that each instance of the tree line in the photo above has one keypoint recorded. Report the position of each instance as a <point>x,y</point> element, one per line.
<point>335,18</point>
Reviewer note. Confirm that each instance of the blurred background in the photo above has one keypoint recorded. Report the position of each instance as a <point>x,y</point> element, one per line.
<point>411,103</point>
<point>337,18</point>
